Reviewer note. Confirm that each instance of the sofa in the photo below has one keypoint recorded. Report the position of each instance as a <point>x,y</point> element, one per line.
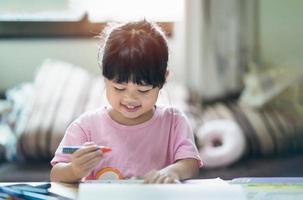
<point>34,116</point>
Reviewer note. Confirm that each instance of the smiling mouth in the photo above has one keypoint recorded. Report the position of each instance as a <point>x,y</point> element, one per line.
<point>131,108</point>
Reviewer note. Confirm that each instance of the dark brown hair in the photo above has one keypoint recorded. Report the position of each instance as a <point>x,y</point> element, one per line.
<point>135,52</point>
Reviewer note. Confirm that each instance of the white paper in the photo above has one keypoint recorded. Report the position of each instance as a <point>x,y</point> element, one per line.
<point>211,190</point>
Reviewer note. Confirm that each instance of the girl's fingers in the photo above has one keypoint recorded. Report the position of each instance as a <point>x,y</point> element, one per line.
<point>89,156</point>
<point>151,177</point>
<point>172,180</point>
<point>161,179</point>
<point>169,180</point>
<point>91,164</point>
<point>88,143</point>
<point>87,166</point>
<point>84,150</point>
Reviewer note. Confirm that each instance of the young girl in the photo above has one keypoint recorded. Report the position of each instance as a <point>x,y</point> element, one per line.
<point>147,141</point>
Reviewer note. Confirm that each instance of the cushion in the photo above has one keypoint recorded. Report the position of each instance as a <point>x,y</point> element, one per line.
<point>62,92</point>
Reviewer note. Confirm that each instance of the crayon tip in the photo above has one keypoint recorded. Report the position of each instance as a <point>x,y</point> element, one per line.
<point>106,149</point>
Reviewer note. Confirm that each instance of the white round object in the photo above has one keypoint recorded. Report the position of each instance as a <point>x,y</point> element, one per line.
<point>222,142</point>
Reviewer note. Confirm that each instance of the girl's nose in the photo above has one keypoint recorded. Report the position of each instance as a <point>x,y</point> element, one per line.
<point>130,97</point>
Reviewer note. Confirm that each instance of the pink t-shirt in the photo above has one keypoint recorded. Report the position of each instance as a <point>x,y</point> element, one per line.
<point>154,144</point>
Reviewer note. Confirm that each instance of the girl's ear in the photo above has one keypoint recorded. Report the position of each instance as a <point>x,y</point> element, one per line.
<point>166,74</point>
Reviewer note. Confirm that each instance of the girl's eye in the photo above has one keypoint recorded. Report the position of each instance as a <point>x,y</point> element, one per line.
<point>144,91</point>
<point>119,89</point>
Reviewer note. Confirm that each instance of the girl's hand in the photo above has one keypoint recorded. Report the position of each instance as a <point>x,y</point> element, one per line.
<point>85,159</point>
<point>161,176</point>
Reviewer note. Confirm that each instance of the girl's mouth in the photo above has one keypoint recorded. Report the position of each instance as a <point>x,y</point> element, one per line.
<point>130,108</point>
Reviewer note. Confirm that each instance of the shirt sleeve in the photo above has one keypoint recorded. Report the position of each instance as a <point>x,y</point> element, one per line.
<point>74,135</point>
<point>184,144</point>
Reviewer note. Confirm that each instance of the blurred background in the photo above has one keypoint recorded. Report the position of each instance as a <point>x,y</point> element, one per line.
<point>236,71</point>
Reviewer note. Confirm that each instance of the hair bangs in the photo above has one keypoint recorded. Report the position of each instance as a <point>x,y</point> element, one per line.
<point>132,65</point>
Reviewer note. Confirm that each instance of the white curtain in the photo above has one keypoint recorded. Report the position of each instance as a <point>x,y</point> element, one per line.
<point>221,41</point>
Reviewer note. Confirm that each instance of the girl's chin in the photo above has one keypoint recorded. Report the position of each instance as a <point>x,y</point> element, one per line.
<point>130,115</point>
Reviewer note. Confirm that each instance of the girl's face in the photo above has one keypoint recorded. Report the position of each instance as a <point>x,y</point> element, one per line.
<point>131,103</point>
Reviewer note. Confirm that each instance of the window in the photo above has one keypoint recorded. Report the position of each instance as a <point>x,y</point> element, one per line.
<point>79,18</point>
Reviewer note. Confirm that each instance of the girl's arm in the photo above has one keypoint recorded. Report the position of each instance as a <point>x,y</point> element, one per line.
<point>63,172</point>
<point>180,170</point>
